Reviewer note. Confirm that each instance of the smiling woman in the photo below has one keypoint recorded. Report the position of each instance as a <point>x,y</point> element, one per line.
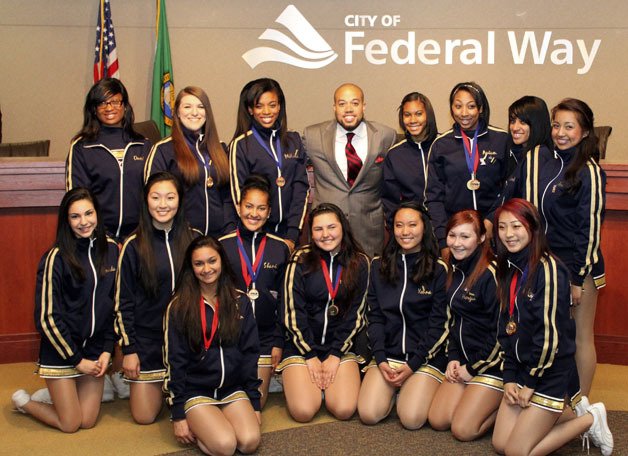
<point>107,156</point>
<point>324,306</point>
<point>149,265</point>
<point>263,145</point>
<point>467,165</point>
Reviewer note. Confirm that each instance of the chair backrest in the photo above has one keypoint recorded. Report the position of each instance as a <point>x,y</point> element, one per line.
<point>149,130</point>
<point>602,133</point>
<point>25,149</point>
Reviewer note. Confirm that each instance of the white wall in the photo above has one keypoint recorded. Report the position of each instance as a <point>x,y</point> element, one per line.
<point>46,51</point>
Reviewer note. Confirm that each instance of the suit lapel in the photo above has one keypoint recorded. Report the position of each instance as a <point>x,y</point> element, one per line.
<point>329,148</point>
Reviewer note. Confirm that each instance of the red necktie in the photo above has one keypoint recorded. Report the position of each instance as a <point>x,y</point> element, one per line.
<point>354,164</point>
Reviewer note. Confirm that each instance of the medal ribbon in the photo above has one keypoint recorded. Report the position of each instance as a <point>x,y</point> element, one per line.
<point>471,154</point>
<point>333,290</point>
<point>515,286</point>
<point>277,157</point>
<point>208,342</point>
<point>250,272</point>
<point>193,147</point>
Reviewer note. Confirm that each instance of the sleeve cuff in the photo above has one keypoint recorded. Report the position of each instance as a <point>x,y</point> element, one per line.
<point>380,357</point>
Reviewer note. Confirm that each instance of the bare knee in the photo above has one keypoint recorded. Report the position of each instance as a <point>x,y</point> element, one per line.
<point>71,425</point>
<point>498,445</point>
<point>438,421</point>
<point>369,416</point>
<point>225,445</point>
<point>462,432</point>
<point>411,422</point>
<point>302,413</point>
<point>515,450</point>
<point>143,417</point>
<point>248,443</point>
<point>341,411</point>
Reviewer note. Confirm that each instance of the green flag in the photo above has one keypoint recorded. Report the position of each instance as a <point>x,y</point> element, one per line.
<point>162,106</point>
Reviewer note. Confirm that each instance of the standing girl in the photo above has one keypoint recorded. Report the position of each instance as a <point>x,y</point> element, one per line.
<point>263,145</point>
<point>259,260</point>
<point>408,322</point>
<point>324,303</point>
<point>538,337</point>
<point>196,156</point>
<point>74,315</point>
<point>467,165</point>
<point>107,156</point>
<point>467,402</point>
<point>405,165</point>
<point>149,262</point>
<point>211,356</point>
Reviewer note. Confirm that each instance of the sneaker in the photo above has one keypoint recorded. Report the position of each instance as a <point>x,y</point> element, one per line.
<point>120,386</point>
<point>20,398</point>
<point>582,406</point>
<point>599,432</point>
<point>107,392</point>
<point>42,395</point>
<point>275,385</point>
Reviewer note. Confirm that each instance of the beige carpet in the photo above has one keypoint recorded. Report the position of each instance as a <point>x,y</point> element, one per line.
<point>115,432</point>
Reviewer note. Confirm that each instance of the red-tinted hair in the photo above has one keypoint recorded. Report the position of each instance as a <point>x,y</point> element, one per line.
<point>528,215</point>
<point>473,217</point>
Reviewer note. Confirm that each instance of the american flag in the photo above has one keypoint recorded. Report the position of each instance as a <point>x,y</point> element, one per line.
<point>106,59</point>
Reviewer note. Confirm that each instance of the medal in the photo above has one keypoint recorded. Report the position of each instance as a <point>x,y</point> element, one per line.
<point>250,271</point>
<point>332,310</point>
<point>473,184</point>
<point>511,327</point>
<point>332,290</point>
<point>472,158</point>
<point>515,286</point>
<point>209,182</point>
<point>274,152</point>
<point>253,294</point>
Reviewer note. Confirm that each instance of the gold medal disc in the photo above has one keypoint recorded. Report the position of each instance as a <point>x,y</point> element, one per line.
<point>473,184</point>
<point>253,294</point>
<point>511,328</point>
<point>280,181</point>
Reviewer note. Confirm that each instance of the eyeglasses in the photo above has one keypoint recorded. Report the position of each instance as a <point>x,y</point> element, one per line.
<point>113,103</point>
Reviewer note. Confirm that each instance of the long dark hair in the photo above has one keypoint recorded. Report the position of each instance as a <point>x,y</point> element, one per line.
<point>476,92</point>
<point>528,215</point>
<point>423,267</point>
<point>101,91</point>
<point>486,256</point>
<point>431,131</point>
<point>587,148</point>
<point>180,232</point>
<point>66,239</point>
<point>186,159</point>
<point>249,96</point>
<point>349,256</point>
<point>533,111</point>
<point>187,295</point>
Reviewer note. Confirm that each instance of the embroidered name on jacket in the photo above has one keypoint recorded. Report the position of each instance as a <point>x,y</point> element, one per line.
<point>469,296</point>
<point>268,265</point>
<point>424,291</point>
<point>489,156</point>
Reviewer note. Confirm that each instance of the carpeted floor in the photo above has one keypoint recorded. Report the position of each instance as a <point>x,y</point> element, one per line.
<point>389,437</point>
<point>115,432</point>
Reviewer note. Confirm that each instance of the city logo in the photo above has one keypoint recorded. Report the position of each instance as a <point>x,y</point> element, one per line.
<point>308,49</point>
